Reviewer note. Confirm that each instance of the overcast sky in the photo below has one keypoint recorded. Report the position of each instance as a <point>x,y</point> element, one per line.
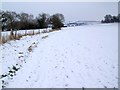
<point>90,11</point>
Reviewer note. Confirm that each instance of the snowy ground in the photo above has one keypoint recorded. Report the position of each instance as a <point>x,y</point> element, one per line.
<point>83,56</point>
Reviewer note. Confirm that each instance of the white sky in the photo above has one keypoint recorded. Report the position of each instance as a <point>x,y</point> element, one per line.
<point>60,0</point>
<point>71,10</point>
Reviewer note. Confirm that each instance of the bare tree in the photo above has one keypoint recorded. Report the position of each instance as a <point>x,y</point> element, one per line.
<point>57,20</point>
<point>43,20</point>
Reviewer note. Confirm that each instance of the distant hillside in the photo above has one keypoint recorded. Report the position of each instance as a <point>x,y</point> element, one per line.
<point>79,23</point>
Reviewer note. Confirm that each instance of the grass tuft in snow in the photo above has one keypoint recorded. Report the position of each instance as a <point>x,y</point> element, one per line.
<point>44,37</point>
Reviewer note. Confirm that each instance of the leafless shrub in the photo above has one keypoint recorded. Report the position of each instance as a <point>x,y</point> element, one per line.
<point>44,31</point>
<point>18,36</point>
<point>52,30</point>
<point>4,39</point>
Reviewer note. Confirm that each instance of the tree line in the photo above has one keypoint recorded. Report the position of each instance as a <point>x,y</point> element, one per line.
<point>111,19</point>
<point>21,21</point>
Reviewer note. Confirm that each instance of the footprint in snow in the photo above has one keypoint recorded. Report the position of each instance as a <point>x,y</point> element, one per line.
<point>56,77</point>
<point>67,76</point>
<point>78,62</point>
<point>113,67</point>
<point>101,47</point>
<point>29,77</point>
<point>20,52</point>
<point>66,85</point>
<point>78,44</point>
<point>55,66</point>
<point>72,71</point>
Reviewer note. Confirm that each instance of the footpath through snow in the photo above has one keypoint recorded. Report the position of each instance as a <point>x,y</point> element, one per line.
<point>83,56</point>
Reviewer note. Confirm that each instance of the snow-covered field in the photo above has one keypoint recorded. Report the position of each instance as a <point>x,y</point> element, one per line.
<point>84,56</point>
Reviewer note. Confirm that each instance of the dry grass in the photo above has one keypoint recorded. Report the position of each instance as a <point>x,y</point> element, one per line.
<point>3,39</point>
<point>0,41</point>
<point>10,37</point>
<point>7,38</point>
<point>0,38</point>
<point>44,31</point>
<point>17,36</point>
<point>52,30</point>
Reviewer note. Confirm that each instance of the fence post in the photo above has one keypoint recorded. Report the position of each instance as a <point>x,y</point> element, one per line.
<point>0,36</point>
<point>39,31</point>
